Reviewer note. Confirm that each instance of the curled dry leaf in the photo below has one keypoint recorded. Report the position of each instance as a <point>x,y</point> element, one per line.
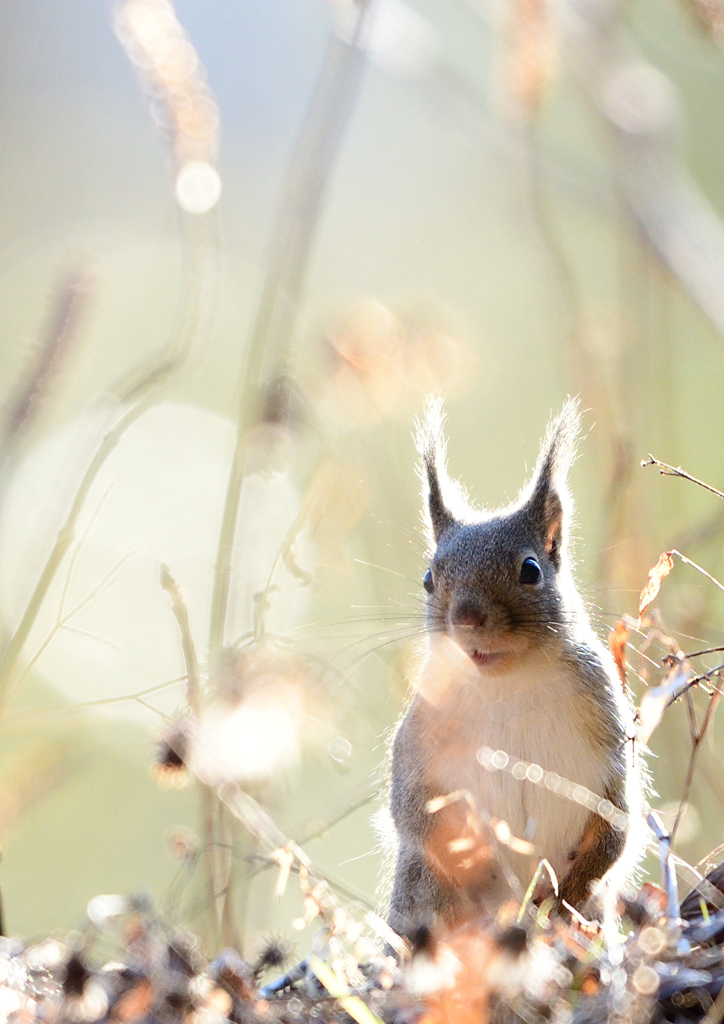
<point>657,698</point>
<point>284,857</point>
<point>617,640</point>
<point>662,568</point>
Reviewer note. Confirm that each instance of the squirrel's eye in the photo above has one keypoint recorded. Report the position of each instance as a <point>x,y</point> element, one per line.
<point>530,571</point>
<point>428,582</point>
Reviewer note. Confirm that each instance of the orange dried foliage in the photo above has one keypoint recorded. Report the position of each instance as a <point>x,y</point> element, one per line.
<point>533,53</point>
<point>169,67</point>
<point>381,363</point>
<point>236,983</point>
<point>662,568</point>
<point>653,896</point>
<point>590,931</point>
<point>617,640</point>
<point>218,1004</point>
<point>456,850</point>
<point>590,983</point>
<point>573,939</point>
<point>466,997</point>
<point>134,1004</point>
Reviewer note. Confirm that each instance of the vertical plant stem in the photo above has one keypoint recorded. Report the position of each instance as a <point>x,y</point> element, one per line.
<point>193,693</point>
<point>188,647</point>
<point>65,538</point>
<point>301,204</point>
<point>228,922</point>
<point>138,394</point>
<point>272,333</point>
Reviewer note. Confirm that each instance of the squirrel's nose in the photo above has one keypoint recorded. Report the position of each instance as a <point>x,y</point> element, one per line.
<point>465,611</point>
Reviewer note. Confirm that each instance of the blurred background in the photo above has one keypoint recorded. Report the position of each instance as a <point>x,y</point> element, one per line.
<point>239,244</point>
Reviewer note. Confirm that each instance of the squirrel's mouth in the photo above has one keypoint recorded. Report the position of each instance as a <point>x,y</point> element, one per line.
<point>483,658</point>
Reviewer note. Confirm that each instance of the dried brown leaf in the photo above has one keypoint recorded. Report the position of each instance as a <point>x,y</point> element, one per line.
<point>617,640</point>
<point>662,568</point>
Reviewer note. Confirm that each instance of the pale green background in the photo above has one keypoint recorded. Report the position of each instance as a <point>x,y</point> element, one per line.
<point>427,207</point>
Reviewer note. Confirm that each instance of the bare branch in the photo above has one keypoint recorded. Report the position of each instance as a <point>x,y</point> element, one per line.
<point>209,803</point>
<point>694,654</point>
<point>697,735</point>
<point>698,568</point>
<point>666,470</point>
<point>181,614</point>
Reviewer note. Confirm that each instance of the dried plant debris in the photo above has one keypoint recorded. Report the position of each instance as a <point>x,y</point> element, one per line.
<point>532,970</point>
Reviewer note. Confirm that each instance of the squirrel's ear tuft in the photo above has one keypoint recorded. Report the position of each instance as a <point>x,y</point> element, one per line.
<point>548,498</point>
<point>436,485</point>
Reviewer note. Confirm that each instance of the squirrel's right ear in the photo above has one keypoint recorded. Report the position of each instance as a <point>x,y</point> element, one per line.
<point>437,488</point>
<point>547,496</point>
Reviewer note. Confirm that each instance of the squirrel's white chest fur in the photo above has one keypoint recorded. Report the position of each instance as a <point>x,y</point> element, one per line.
<point>534,713</point>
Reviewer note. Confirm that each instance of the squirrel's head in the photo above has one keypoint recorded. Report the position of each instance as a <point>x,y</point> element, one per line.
<point>497,581</point>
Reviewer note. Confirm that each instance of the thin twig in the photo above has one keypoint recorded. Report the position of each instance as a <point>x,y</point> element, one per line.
<point>188,647</point>
<point>262,600</point>
<point>698,568</point>
<point>72,562</point>
<point>21,715</point>
<point>697,735</point>
<point>697,654</point>
<point>308,837</point>
<point>666,470</point>
<point>61,622</point>
<point>209,803</point>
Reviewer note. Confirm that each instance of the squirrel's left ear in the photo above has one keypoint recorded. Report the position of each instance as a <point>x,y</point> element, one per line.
<point>549,501</point>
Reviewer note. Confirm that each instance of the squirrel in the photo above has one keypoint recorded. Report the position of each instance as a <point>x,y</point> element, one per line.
<point>511,664</point>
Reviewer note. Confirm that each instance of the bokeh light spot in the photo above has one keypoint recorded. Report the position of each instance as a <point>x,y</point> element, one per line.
<point>198,186</point>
